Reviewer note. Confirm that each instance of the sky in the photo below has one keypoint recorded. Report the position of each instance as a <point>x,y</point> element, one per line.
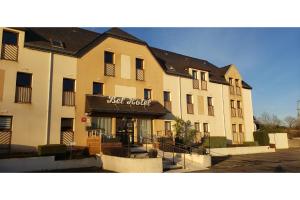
<point>267,58</point>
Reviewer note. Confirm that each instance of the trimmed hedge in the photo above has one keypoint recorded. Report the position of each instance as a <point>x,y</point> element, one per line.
<point>261,137</point>
<point>247,144</point>
<point>215,142</point>
<point>52,150</point>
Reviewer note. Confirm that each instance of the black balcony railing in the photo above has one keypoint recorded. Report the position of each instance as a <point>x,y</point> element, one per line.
<point>68,98</point>
<point>23,94</point>
<point>9,52</point>
<point>109,69</point>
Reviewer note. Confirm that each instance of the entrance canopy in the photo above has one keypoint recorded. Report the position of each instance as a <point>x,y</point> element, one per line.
<point>96,104</point>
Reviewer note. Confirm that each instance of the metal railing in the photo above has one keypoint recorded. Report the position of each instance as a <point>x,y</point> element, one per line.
<point>168,105</point>
<point>231,89</point>
<point>140,74</point>
<point>68,98</point>
<point>203,85</point>
<point>9,52</point>
<point>190,108</point>
<point>195,83</point>
<point>66,137</point>
<point>211,110</point>
<point>5,140</point>
<point>233,112</point>
<point>23,94</point>
<point>109,69</point>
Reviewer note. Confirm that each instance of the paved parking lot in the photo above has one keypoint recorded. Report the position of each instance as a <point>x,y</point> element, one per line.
<point>280,161</point>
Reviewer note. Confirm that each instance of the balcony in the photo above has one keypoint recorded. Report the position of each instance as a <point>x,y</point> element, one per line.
<point>109,69</point>
<point>238,90</point>
<point>203,85</point>
<point>9,52</point>
<point>240,112</point>
<point>190,108</point>
<point>168,105</point>
<point>140,74</point>
<point>233,112</point>
<point>210,110</point>
<point>195,83</point>
<point>23,94</point>
<point>231,89</point>
<point>68,98</point>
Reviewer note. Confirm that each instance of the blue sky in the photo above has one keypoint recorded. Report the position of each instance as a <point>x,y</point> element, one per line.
<point>268,58</point>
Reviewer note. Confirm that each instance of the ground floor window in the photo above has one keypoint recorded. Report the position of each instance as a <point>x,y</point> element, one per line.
<point>144,129</point>
<point>168,128</point>
<point>5,132</point>
<point>67,131</point>
<point>102,123</point>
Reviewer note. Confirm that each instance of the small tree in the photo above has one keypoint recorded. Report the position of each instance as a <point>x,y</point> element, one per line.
<point>184,131</point>
<point>290,121</point>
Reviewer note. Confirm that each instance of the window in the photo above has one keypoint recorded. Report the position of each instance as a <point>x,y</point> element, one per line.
<point>57,43</point>
<point>68,97</point>
<point>144,129</point>
<point>23,88</point>
<point>167,127</point>
<point>238,104</point>
<point>103,123</point>
<point>139,63</point>
<point>147,94</point>
<point>24,79</point>
<point>194,74</point>
<point>189,99</point>
<point>237,82</point>
<point>203,76</point>
<point>232,104</point>
<point>108,57</point>
<point>10,38</point>
<point>230,81</point>
<point>5,123</point>
<point>234,128</point>
<point>197,126</point>
<point>68,85</point>
<point>209,101</point>
<point>167,96</point>
<point>205,128</point>
<point>66,124</point>
<point>240,128</point>
<point>97,88</point>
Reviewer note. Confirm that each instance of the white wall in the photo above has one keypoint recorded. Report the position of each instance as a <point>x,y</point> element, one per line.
<point>248,114</point>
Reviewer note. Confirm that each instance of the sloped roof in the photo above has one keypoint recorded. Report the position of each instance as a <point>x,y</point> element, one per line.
<point>78,41</point>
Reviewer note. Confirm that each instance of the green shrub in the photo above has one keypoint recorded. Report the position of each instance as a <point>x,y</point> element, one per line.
<point>152,153</point>
<point>247,144</point>
<point>262,137</point>
<point>215,142</point>
<point>52,150</point>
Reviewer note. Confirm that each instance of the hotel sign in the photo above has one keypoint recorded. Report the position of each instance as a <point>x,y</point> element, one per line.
<point>128,101</point>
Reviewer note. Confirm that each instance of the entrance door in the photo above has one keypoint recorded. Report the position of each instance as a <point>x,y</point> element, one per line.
<point>125,130</point>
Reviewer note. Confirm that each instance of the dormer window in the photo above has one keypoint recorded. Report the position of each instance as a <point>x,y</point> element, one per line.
<point>139,65</point>
<point>194,74</point>
<point>10,47</point>
<point>57,43</point>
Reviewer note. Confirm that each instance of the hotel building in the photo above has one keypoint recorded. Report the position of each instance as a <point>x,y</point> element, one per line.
<point>64,85</point>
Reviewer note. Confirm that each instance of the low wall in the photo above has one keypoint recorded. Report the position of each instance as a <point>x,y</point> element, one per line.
<point>138,165</point>
<point>280,140</point>
<point>294,143</point>
<point>45,164</point>
<point>240,150</point>
<point>195,160</point>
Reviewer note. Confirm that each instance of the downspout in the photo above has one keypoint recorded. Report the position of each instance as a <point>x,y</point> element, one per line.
<point>180,97</point>
<point>223,110</point>
<point>50,98</point>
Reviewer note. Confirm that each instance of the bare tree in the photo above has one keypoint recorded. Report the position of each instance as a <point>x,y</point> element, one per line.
<point>269,120</point>
<point>290,121</point>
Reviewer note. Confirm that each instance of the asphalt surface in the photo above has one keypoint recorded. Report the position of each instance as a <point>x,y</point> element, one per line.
<point>279,161</point>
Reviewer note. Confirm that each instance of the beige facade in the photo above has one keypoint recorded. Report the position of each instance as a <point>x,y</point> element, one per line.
<point>31,125</point>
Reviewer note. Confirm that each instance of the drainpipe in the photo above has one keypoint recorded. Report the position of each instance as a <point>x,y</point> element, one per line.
<point>223,110</point>
<point>180,97</point>
<point>50,98</point>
